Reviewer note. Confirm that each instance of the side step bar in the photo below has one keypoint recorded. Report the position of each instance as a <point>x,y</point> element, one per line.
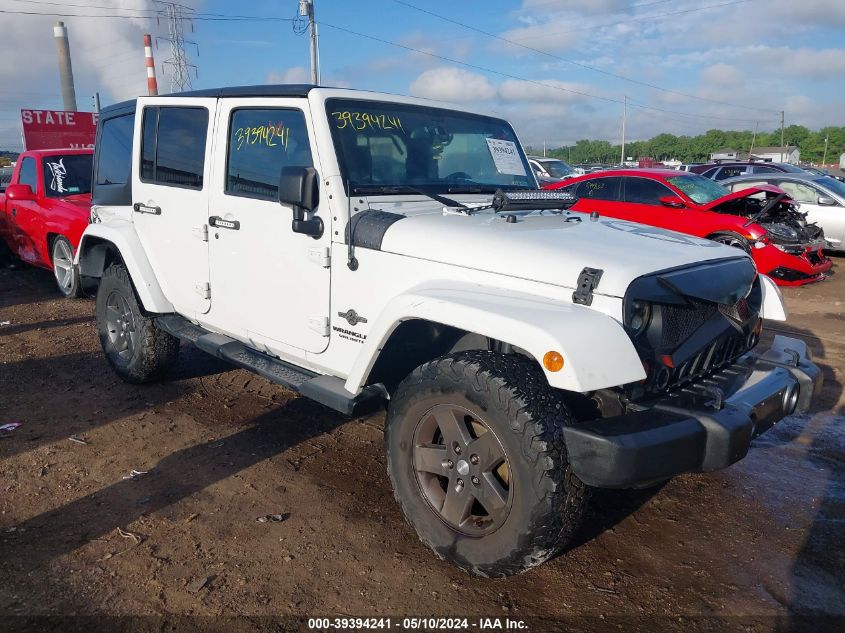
<point>327,390</point>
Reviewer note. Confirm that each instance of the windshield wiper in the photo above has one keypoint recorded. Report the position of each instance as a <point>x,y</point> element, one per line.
<point>387,189</point>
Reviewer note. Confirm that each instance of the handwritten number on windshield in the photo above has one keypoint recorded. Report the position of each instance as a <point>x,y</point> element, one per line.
<point>366,121</point>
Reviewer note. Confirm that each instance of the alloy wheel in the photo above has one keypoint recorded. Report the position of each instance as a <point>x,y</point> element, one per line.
<point>462,470</point>
<point>120,325</point>
<point>63,265</point>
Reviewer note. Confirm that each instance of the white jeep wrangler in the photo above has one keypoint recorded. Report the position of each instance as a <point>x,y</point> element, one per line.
<point>360,247</point>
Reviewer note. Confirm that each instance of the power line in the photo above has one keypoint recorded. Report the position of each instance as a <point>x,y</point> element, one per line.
<point>180,65</point>
<point>508,75</point>
<point>202,16</point>
<point>586,66</point>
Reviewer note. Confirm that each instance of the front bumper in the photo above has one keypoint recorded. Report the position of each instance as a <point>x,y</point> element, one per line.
<point>794,265</point>
<point>706,426</point>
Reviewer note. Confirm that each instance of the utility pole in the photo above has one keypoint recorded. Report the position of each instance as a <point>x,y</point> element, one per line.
<point>176,15</point>
<point>624,116</point>
<point>781,136</point>
<point>824,159</point>
<point>97,102</point>
<point>753,138</point>
<point>306,9</point>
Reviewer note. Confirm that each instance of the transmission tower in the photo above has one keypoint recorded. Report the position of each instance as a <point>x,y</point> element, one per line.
<point>177,15</point>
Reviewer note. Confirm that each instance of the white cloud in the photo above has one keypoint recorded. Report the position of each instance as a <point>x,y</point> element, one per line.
<point>107,56</point>
<point>551,36</point>
<point>293,75</point>
<point>514,90</point>
<point>588,7</point>
<point>452,84</point>
<point>722,75</point>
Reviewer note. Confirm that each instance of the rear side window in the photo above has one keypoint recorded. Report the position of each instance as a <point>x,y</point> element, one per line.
<point>28,174</point>
<point>600,188</point>
<point>114,151</point>
<point>173,146</point>
<point>763,169</point>
<point>730,172</point>
<point>67,175</point>
<point>261,142</point>
<point>645,191</point>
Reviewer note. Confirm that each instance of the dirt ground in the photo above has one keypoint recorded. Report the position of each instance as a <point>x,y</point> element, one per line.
<point>756,547</point>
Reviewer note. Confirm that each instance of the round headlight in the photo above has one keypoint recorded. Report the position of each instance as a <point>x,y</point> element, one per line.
<point>640,318</point>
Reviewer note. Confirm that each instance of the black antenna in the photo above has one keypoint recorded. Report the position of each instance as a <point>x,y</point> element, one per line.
<point>352,262</point>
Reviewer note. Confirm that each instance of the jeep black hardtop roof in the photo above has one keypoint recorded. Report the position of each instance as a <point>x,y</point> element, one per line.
<point>267,90</point>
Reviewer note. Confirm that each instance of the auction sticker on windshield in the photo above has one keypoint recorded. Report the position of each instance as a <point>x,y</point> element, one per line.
<point>506,157</point>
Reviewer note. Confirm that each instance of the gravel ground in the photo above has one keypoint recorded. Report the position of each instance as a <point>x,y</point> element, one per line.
<point>758,546</point>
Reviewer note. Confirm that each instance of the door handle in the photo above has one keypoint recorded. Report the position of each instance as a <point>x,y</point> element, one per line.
<point>218,222</point>
<point>14,211</point>
<point>143,208</point>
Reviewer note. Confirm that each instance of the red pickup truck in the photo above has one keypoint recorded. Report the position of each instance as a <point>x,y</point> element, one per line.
<point>44,209</point>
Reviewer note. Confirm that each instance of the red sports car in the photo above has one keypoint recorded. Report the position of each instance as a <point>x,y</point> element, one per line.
<point>761,220</point>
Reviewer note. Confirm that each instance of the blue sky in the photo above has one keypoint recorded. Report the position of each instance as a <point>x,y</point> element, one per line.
<point>732,65</point>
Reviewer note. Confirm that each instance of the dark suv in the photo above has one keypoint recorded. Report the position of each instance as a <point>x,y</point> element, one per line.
<point>721,171</point>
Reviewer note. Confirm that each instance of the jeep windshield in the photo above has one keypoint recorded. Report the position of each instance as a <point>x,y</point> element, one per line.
<point>394,148</point>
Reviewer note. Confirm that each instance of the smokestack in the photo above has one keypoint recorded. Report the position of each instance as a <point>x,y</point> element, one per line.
<point>152,84</point>
<point>65,68</point>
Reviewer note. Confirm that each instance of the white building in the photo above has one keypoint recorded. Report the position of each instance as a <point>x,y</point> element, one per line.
<point>729,154</point>
<point>789,154</point>
<point>842,162</point>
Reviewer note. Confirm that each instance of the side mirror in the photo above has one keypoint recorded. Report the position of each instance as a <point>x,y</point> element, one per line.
<point>300,188</point>
<point>19,192</point>
<point>826,201</point>
<point>673,202</point>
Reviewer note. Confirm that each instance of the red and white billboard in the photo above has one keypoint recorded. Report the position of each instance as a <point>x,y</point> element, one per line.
<point>58,129</point>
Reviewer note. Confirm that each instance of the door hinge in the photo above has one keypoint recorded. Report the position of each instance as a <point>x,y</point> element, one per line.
<point>588,281</point>
<point>203,290</point>
<point>201,232</point>
<point>320,324</point>
<point>320,256</point>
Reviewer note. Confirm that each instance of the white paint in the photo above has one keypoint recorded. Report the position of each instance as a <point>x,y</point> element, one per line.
<point>121,232</point>
<point>512,282</point>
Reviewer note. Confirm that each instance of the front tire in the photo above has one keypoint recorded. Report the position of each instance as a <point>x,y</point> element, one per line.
<point>136,349</point>
<point>729,238</point>
<point>66,274</point>
<point>476,457</point>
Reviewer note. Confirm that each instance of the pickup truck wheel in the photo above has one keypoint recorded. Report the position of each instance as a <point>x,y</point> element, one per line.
<point>137,350</point>
<point>476,457</point>
<point>67,276</point>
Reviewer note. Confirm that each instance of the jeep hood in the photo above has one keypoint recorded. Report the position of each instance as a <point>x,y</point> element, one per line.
<point>548,247</point>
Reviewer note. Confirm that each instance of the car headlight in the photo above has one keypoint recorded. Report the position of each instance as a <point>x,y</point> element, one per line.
<point>640,318</point>
<point>782,230</point>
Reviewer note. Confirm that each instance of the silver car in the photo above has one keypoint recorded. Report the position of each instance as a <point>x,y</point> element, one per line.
<point>822,198</point>
<point>551,170</point>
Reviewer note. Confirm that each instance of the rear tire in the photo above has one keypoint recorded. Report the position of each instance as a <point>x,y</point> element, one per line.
<point>135,348</point>
<point>66,274</point>
<point>494,505</point>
